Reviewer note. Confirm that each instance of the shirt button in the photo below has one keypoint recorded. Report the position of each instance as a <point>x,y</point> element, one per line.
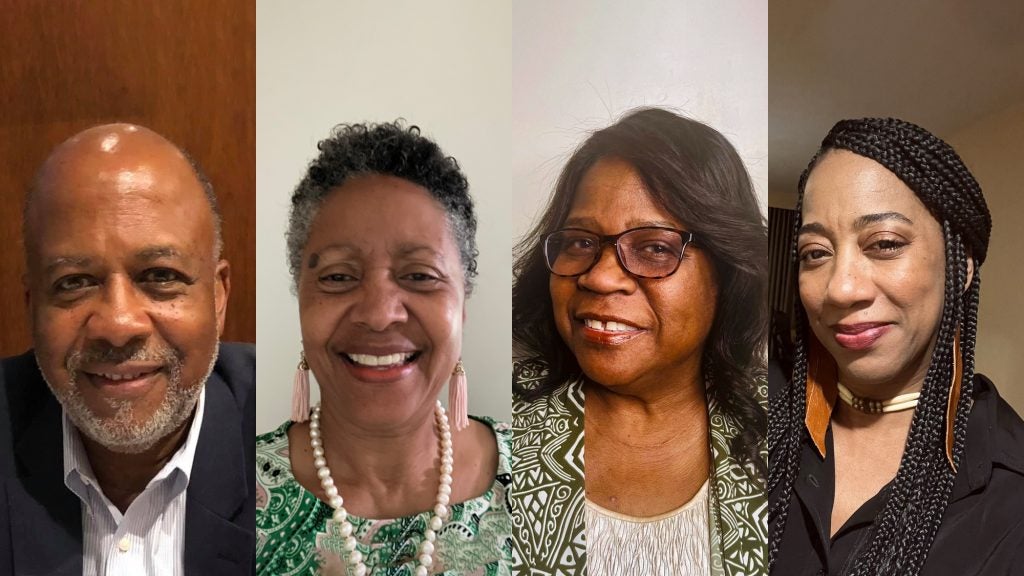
<point>124,544</point>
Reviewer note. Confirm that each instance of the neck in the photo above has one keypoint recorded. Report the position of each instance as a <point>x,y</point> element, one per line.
<point>908,380</point>
<point>380,458</point>
<point>678,407</point>
<point>850,418</point>
<point>122,477</point>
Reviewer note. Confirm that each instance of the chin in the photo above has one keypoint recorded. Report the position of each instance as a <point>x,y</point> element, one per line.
<point>869,370</point>
<point>607,376</point>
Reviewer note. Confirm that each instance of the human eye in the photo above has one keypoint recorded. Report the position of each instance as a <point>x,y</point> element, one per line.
<point>579,244</point>
<point>163,276</point>
<point>887,247</point>
<point>164,282</point>
<point>421,278</point>
<point>813,255</point>
<point>73,284</point>
<point>337,278</point>
<point>652,244</point>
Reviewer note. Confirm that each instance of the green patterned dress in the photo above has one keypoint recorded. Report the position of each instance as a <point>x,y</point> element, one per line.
<point>296,535</point>
<point>548,495</point>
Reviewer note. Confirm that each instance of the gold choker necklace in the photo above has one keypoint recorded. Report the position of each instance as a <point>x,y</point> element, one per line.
<point>871,406</point>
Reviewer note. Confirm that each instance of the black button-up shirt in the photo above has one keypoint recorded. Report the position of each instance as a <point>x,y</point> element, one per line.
<point>982,531</point>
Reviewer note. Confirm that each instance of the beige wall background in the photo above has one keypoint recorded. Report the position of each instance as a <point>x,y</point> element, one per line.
<point>993,148</point>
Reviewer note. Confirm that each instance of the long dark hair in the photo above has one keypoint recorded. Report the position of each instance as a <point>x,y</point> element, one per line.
<point>906,526</point>
<point>693,173</point>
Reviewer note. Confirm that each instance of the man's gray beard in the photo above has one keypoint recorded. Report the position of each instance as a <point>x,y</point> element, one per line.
<point>121,433</point>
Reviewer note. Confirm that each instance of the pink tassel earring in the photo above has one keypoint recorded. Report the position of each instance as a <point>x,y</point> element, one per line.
<point>300,391</point>
<point>457,398</point>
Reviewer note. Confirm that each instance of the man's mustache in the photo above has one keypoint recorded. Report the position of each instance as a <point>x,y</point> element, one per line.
<point>103,353</point>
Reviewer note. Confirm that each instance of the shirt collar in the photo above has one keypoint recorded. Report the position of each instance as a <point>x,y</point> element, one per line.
<point>78,470</point>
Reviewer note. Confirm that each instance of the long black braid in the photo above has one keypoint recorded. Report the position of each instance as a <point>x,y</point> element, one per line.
<point>906,526</point>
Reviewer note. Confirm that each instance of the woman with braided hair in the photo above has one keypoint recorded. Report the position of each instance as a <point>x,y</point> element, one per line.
<point>888,454</point>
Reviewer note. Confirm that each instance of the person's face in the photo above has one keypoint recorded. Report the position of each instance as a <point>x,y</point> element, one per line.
<point>381,301</point>
<point>660,325</point>
<point>872,262</point>
<point>126,294</point>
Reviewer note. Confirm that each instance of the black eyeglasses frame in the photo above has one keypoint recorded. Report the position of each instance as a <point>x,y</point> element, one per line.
<point>613,239</point>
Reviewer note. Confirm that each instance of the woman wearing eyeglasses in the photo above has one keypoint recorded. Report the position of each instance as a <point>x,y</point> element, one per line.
<point>639,326</point>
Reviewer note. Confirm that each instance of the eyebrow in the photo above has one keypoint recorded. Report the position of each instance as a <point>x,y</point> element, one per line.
<point>591,223</point>
<point>403,250</point>
<point>859,224</point>
<point>868,219</point>
<point>407,250</point>
<point>150,253</point>
<point>147,254</point>
<point>68,262</point>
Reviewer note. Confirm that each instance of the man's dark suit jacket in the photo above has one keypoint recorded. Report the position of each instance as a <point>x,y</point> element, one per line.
<point>41,520</point>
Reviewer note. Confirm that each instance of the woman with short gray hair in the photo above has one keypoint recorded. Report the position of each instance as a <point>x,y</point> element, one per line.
<point>379,477</point>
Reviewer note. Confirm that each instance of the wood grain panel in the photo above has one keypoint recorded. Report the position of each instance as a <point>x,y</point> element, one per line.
<point>185,68</point>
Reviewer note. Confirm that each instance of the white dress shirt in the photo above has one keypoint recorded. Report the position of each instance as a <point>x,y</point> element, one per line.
<point>149,538</point>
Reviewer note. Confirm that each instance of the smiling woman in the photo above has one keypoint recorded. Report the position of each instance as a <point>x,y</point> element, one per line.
<point>889,454</point>
<point>382,252</point>
<point>642,289</point>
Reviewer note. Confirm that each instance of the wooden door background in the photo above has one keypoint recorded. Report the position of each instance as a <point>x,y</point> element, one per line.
<point>185,68</point>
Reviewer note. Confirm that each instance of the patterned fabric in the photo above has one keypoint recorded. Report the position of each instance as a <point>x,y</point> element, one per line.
<point>296,535</point>
<point>739,505</point>
<point>674,543</point>
<point>548,492</point>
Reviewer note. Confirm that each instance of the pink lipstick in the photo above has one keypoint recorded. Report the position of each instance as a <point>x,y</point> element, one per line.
<point>859,336</point>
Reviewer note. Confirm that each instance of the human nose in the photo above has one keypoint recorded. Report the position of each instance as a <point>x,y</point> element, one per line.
<point>379,304</point>
<point>120,315</point>
<point>607,274</point>
<point>850,281</point>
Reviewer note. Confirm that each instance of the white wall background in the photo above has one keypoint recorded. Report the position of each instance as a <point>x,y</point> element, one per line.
<point>441,65</point>
<point>579,65</point>
<point>509,89</point>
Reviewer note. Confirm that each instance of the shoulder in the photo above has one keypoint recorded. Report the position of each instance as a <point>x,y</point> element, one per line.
<point>565,402</point>
<point>236,369</point>
<point>273,463</point>
<point>23,395</point>
<point>21,382</point>
<point>503,438</point>
<point>236,364</point>
<point>1006,429</point>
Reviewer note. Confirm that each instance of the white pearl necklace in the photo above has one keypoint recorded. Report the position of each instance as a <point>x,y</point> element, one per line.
<point>444,490</point>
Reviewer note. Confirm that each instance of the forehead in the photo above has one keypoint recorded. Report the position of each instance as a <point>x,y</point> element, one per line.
<point>371,212</point>
<point>91,204</point>
<point>612,196</point>
<point>844,186</point>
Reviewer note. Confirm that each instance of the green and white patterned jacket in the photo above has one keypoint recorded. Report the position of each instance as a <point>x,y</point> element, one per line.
<point>548,497</point>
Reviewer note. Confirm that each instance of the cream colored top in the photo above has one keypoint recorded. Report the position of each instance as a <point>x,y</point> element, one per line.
<point>676,543</point>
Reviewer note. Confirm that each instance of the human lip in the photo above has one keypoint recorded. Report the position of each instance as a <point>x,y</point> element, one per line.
<point>859,336</point>
<point>379,360</point>
<point>608,330</point>
<point>123,381</point>
<point>380,366</point>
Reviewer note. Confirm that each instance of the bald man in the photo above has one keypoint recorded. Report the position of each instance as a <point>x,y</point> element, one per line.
<point>126,434</point>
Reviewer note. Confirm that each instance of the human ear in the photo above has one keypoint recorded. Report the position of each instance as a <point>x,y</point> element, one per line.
<point>970,272</point>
